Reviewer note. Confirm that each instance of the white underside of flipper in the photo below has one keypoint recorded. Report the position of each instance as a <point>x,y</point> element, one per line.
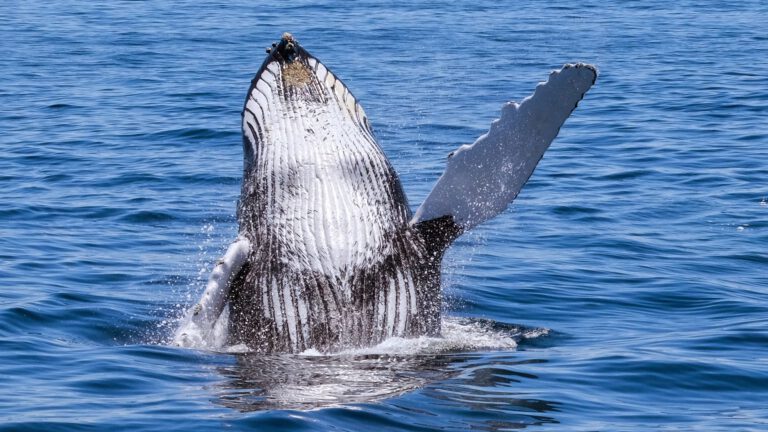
<point>482,179</point>
<point>198,327</point>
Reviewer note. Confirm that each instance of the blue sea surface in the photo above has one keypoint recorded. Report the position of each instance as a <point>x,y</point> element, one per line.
<point>632,270</point>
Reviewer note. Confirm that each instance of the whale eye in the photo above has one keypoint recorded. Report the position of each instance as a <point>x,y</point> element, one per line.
<point>450,155</point>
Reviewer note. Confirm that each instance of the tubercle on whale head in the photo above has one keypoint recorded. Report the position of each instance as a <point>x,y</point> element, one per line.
<point>286,50</point>
<point>293,70</point>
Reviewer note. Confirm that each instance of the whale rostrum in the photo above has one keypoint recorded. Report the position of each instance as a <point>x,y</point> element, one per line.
<point>329,254</point>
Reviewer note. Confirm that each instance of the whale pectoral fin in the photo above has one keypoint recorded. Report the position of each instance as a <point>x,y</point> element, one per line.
<point>198,323</point>
<point>482,179</point>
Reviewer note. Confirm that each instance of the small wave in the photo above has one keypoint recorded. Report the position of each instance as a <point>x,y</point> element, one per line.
<point>188,133</point>
<point>141,217</point>
<point>57,106</point>
<point>575,210</point>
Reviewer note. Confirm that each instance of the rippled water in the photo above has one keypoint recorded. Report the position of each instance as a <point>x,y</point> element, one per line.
<point>626,288</point>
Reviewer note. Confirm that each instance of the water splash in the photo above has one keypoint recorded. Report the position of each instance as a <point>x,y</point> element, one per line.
<point>458,335</point>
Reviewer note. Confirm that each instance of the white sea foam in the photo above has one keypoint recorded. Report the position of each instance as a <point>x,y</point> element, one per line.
<point>458,335</point>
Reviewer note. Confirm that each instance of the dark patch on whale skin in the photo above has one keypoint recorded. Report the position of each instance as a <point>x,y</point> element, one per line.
<point>438,234</point>
<point>334,320</point>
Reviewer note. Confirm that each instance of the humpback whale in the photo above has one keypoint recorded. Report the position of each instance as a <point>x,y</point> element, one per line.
<point>329,254</point>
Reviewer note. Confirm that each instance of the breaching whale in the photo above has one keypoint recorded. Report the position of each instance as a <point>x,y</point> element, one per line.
<point>329,254</point>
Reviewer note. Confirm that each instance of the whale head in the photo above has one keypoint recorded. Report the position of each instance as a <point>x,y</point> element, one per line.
<point>305,136</point>
<point>290,86</point>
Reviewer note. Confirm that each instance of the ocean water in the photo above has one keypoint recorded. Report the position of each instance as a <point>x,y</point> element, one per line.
<point>625,289</point>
